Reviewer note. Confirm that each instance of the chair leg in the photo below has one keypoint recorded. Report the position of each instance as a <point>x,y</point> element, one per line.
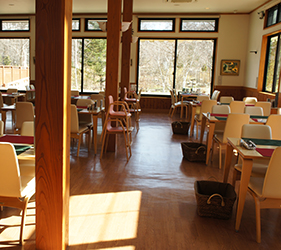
<point>23,219</point>
<point>102,145</point>
<point>173,112</point>
<point>258,220</point>
<point>220,156</point>
<point>78,144</point>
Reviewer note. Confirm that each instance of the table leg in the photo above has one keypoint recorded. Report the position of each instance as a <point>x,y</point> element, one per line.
<point>95,131</point>
<point>209,140</point>
<point>193,111</point>
<point>203,125</point>
<point>247,165</point>
<point>181,107</point>
<point>3,115</point>
<point>228,159</point>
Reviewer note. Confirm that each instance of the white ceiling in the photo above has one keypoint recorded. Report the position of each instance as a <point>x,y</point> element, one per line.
<point>144,6</point>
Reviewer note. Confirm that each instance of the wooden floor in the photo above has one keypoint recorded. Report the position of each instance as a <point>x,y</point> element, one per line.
<point>146,203</point>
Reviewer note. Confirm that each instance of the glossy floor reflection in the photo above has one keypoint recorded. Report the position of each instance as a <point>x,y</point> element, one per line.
<point>149,202</point>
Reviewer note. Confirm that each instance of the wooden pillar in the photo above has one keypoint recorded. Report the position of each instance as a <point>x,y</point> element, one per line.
<point>126,46</point>
<point>112,57</point>
<point>52,122</point>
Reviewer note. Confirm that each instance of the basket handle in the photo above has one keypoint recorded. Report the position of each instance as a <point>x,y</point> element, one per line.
<point>222,201</point>
<point>177,122</point>
<point>196,152</point>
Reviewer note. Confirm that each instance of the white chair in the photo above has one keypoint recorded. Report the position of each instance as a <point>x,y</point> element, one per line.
<point>226,99</point>
<point>220,109</point>
<point>201,98</point>
<point>250,100</point>
<point>27,128</point>
<point>1,128</point>
<point>16,189</point>
<point>237,106</point>
<point>274,122</point>
<point>266,191</point>
<point>206,107</point>
<point>233,128</point>
<point>266,106</point>
<point>77,130</point>
<point>215,95</point>
<point>24,112</point>
<point>253,110</point>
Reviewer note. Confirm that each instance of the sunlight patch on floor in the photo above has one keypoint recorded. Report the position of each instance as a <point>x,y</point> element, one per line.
<point>104,217</point>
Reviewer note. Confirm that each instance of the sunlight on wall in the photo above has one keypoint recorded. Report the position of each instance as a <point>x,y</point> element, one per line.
<point>104,217</point>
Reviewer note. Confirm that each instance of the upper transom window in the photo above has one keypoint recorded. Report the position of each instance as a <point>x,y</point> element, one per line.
<point>75,24</point>
<point>15,25</point>
<point>199,25</point>
<point>153,24</point>
<point>92,24</point>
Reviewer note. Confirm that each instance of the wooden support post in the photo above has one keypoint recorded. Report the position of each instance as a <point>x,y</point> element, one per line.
<point>126,47</point>
<point>52,123</point>
<point>112,57</point>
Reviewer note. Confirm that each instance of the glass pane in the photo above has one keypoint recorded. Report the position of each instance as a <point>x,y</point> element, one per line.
<point>272,16</point>
<point>198,25</point>
<point>271,63</point>
<point>159,25</point>
<point>14,63</point>
<point>156,66</point>
<point>76,64</point>
<point>75,24</point>
<point>94,65</point>
<point>15,25</point>
<point>194,65</point>
<point>93,24</point>
<point>277,72</point>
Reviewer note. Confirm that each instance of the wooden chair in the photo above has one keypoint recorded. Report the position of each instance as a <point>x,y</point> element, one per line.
<point>250,100</point>
<point>266,106</point>
<point>253,110</point>
<point>24,112</point>
<point>175,105</point>
<point>11,90</point>
<point>85,119</point>
<point>77,130</point>
<point>27,128</point>
<point>99,99</point>
<point>266,190</point>
<point>206,107</point>
<point>220,109</point>
<point>117,122</point>
<point>274,122</point>
<point>233,128</point>
<point>16,188</point>
<point>226,99</point>
<point>254,131</point>
<point>1,128</point>
<point>215,95</point>
<point>237,106</point>
<point>74,92</point>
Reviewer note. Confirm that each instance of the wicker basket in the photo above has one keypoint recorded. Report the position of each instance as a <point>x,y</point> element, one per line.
<point>180,127</point>
<point>193,151</point>
<point>214,199</point>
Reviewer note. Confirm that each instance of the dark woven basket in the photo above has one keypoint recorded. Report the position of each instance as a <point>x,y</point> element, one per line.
<point>193,151</point>
<point>180,127</point>
<point>214,199</point>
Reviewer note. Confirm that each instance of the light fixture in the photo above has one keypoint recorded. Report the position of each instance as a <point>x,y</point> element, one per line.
<point>261,14</point>
<point>254,51</point>
<point>102,25</point>
<point>125,26</point>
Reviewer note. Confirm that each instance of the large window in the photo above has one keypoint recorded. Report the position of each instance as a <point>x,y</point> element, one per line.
<point>165,64</point>
<point>14,63</point>
<point>88,64</point>
<point>273,62</point>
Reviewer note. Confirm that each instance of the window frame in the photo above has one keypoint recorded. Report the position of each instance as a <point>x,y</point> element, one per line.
<point>94,19</point>
<point>201,19</point>
<point>1,25</point>
<point>79,29</point>
<point>271,10</point>
<point>157,19</point>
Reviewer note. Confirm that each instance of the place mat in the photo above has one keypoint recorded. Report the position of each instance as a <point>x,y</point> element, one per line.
<point>82,107</point>
<point>20,149</point>
<point>258,116</point>
<point>224,103</point>
<point>264,142</point>
<point>266,152</point>
<point>79,110</point>
<point>221,118</point>
<point>17,139</point>
<point>214,114</point>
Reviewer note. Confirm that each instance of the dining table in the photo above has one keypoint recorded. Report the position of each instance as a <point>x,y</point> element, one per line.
<point>98,111</point>
<point>4,111</point>
<point>210,120</point>
<point>13,97</point>
<point>188,97</point>
<point>264,149</point>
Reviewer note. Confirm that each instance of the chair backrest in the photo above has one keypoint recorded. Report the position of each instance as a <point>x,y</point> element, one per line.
<point>84,102</point>
<point>215,95</point>
<point>266,106</point>
<point>24,112</point>
<point>1,128</point>
<point>11,90</point>
<point>27,128</point>
<point>237,106</point>
<point>74,92</point>
<point>74,126</point>
<point>226,99</point>
<point>1,100</point>
<point>253,110</point>
<point>274,122</point>
<point>271,185</point>
<point>172,97</point>
<point>200,98</point>
<point>250,100</point>
<point>256,131</point>
<point>99,98</point>
<point>233,126</point>
<point>206,107</point>
<point>10,183</point>
<point>221,109</point>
